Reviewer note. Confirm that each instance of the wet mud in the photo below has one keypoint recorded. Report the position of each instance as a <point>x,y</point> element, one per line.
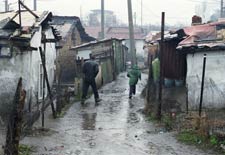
<point>116,126</point>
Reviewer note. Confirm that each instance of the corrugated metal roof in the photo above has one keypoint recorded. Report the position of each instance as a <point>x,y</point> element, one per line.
<point>115,32</point>
<point>94,42</point>
<point>207,35</point>
<point>9,25</point>
<point>65,25</point>
<point>123,33</point>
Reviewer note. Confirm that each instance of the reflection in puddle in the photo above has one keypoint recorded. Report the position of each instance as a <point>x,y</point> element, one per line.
<point>133,118</point>
<point>89,120</point>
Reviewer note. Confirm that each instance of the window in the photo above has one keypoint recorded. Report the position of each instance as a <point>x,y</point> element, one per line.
<point>5,52</point>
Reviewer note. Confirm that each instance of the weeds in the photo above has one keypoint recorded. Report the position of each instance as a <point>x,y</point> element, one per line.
<point>64,110</point>
<point>194,138</point>
<point>152,118</point>
<point>214,140</point>
<point>191,137</point>
<point>25,149</point>
<point>166,121</point>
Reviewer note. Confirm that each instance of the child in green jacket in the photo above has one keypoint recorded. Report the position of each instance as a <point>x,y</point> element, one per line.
<point>134,74</point>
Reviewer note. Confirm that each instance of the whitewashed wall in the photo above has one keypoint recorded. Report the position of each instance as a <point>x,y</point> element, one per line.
<point>11,70</point>
<point>36,61</point>
<point>214,90</point>
<point>27,66</point>
<point>50,57</point>
<point>139,48</point>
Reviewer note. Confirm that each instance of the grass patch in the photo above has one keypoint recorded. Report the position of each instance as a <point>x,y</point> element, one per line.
<point>64,110</point>
<point>25,149</point>
<point>152,118</point>
<point>214,140</point>
<point>191,137</point>
<point>166,121</point>
<point>194,138</point>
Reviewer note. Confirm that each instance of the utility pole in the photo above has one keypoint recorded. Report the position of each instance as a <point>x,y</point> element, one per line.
<point>102,19</point>
<point>141,13</point>
<point>6,5</point>
<point>20,20</point>
<point>35,5</point>
<point>221,9</point>
<point>131,33</point>
<point>161,65</point>
<point>135,19</point>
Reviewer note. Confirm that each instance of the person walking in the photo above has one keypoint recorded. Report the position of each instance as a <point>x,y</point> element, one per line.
<point>134,74</point>
<point>90,70</point>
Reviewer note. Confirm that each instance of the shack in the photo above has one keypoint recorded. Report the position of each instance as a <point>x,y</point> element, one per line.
<point>110,53</point>
<point>20,45</point>
<point>200,40</point>
<point>72,34</point>
<point>173,73</point>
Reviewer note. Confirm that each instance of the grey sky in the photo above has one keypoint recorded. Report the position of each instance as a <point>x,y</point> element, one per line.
<point>177,11</point>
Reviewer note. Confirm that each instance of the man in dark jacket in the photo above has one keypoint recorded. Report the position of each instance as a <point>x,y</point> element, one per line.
<point>90,71</point>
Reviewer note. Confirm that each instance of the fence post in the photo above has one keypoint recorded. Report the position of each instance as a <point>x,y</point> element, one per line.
<point>202,85</point>
<point>149,78</point>
<point>187,108</point>
<point>159,111</point>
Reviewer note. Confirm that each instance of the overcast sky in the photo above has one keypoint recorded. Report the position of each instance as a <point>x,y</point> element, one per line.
<point>177,11</point>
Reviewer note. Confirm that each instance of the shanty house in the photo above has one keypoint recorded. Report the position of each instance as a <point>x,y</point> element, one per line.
<point>199,40</point>
<point>173,72</point>
<point>123,33</point>
<point>20,45</point>
<point>72,34</point>
<point>110,53</point>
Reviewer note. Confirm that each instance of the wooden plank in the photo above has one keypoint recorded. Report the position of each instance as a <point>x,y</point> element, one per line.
<point>15,122</point>
<point>49,41</point>
<point>21,3</point>
<point>47,82</point>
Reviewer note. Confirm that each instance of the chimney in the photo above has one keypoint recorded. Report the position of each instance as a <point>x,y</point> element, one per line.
<point>196,20</point>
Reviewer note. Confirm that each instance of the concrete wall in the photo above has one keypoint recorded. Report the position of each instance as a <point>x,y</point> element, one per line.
<point>25,64</point>
<point>214,89</point>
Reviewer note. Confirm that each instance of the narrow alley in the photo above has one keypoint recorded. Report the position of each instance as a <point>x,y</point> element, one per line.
<point>114,127</point>
<point>52,50</point>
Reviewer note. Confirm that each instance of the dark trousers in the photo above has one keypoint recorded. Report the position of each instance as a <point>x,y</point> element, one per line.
<point>86,84</point>
<point>132,90</point>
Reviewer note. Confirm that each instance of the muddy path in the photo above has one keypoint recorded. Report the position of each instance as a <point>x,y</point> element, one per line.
<point>114,127</point>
